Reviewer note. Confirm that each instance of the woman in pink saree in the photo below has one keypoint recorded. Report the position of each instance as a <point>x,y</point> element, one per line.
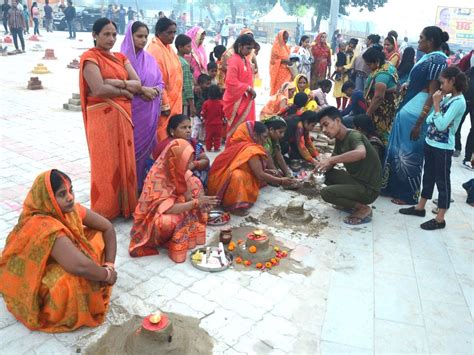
<point>146,107</point>
<point>198,57</point>
<point>239,96</point>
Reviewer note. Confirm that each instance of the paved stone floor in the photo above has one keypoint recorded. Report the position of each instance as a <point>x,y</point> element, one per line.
<point>385,287</point>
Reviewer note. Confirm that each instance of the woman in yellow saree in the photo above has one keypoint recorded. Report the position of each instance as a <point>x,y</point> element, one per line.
<point>51,276</point>
<point>301,84</point>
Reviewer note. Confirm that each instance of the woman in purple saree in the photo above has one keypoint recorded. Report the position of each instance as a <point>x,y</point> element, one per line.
<point>145,107</point>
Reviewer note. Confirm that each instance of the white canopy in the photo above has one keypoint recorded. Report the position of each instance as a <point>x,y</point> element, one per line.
<point>277,15</point>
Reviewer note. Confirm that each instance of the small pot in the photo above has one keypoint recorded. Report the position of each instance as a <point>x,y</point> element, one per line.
<point>225,236</point>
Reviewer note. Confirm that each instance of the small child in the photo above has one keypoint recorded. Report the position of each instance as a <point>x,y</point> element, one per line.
<point>200,95</point>
<point>324,87</point>
<point>184,47</point>
<point>213,116</point>
<point>296,108</point>
<point>340,76</point>
<point>216,56</point>
<point>356,106</point>
<point>364,124</point>
<point>212,72</point>
<point>448,108</point>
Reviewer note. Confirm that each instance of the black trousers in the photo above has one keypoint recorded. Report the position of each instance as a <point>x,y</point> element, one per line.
<point>437,170</point>
<point>470,138</point>
<point>18,32</point>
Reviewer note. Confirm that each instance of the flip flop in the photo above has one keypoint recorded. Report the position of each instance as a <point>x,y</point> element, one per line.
<point>343,209</point>
<point>398,202</point>
<point>349,220</point>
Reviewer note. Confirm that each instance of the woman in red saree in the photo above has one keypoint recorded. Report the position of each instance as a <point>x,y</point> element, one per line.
<point>239,96</point>
<point>279,72</point>
<point>322,60</point>
<point>172,209</point>
<point>51,276</point>
<point>239,171</point>
<point>107,84</point>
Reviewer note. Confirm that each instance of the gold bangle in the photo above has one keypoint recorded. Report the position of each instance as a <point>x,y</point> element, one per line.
<point>124,84</point>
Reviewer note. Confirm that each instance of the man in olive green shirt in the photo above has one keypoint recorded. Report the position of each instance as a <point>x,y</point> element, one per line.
<point>359,185</point>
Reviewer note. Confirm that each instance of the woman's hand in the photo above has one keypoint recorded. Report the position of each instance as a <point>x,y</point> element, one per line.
<point>207,202</point>
<point>437,97</point>
<point>287,181</point>
<point>126,93</point>
<point>113,278</point>
<point>415,133</point>
<point>133,86</point>
<point>149,94</point>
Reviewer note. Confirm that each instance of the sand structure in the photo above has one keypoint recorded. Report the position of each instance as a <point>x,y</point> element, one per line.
<point>34,83</point>
<point>7,39</point>
<point>74,103</point>
<point>49,54</point>
<point>294,213</point>
<point>74,64</point>
<point>40,68</point>
<point>34,38</point>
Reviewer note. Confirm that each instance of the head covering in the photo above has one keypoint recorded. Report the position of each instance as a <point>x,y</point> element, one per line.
<point>280,46</point>
<point>317,40</point>
<point>273,119</point>
<point>198,52</point>
<point>295,82</point>
<point>246,31</point>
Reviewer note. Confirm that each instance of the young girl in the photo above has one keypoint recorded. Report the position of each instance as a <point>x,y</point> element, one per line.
<point>213,117</point>
<point>276,164</point>
<point>52,263</point>
<point>216,56</point>
<point>439,145</point>
<point>340,77</point>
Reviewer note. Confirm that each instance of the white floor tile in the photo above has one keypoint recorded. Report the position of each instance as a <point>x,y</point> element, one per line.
<point>331,348</point>
<point>392,338</point>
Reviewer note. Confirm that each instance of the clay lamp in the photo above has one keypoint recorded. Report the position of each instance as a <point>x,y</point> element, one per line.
<point>155,322</point>
<point>225,235</point>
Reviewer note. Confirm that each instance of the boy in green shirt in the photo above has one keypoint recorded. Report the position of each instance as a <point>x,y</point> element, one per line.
<point>184,47</point>
<point>359,185</point>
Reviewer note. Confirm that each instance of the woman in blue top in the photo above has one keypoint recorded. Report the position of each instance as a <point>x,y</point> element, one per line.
<point>439,145</point>
<point>404,155</point>
<point>381,91</point>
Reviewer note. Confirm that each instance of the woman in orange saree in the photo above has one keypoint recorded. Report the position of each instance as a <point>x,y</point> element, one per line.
<point>50,273</point>
<point>279,72</point>
<point>239,171</point>
<point>107,84</point>
<point>171,211</point>
<point>239,96</point>
<point>172,97</point>
<point>279,101</point>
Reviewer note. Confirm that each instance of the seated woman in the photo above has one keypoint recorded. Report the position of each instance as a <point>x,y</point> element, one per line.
<point>381,92</point>
<point>279,101</point>
<point>364,125</point>
<point>56,275</point>
<point>172,209</point>
<point>276,131</point>
<point>238,172</point>
<point>297,143</point>
<point>296,108</point>
<point>302,85</point>
<point>179,126</point>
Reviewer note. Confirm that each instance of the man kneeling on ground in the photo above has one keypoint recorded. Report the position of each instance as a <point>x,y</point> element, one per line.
<point>359,185</point>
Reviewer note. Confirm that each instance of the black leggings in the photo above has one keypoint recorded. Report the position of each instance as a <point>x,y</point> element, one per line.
<point>470,138</point>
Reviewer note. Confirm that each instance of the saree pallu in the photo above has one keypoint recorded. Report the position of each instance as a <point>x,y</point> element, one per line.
<point>109,133</point>
<point>279,72</point>
<point>403,166</point>
<point>230,177</point>
<point>36,289</point>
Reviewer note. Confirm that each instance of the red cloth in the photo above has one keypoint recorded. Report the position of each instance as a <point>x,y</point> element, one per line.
<point>213,112</point>
<point>213,136</point>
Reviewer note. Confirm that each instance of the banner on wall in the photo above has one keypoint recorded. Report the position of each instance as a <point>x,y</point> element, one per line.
<point>458,22</point>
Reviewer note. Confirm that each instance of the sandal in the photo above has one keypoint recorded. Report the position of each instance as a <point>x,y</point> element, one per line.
<point>398,202</point>
<point>433,224</point>
<point>343,209</point>
<point>411,211</point>
<point>355,221</point>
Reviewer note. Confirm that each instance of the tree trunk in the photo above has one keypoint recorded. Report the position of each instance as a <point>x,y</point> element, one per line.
<point>233,10</point>
<point>209,11</point>
<point>318,21</point>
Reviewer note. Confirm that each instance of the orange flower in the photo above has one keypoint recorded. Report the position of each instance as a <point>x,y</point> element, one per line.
<point>276,249</point>
<point>284,254</point>
<point>247,263</point>
<point>253,249</point>
<point>277,259</point>
<point>258,265</point>
<point>240,241</point>
<point>268,265</point>
<point>231,246</point>
<point>273,261</point>
<point>238,260</point>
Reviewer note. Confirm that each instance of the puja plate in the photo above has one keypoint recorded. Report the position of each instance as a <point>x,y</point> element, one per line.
<point>228,257</point>
<point>218,218</point>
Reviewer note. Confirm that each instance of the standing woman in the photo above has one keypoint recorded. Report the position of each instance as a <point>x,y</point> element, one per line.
<point>198,57</point>
<point>390,48</point>
<point>35,14</point>
<point>406,64</point>
<point>322,60</point>
<point>401,177</point>
<point>146,106</point>
<point>239,96</point>
<point>172,74</point>
<point>107,84</point>
<point>381,91</point>
<point>279,72</point>
<point>306,58</point>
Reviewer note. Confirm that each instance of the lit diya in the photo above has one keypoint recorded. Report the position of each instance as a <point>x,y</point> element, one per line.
<point>155,322</point>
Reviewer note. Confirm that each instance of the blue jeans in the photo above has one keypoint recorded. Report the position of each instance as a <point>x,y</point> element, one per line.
<point>36,26</point>
<point>360,80</point>
<point>469,187</point>
<point>71,29</point>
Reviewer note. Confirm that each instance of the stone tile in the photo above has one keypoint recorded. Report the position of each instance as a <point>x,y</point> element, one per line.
<point>397,299</point>
<point>196,301</point>
<point>462,261</point>
<point>353,268</point>
<point>220,318</point>
<point>6,318</point>
<point>427,244</point>
<point>157,286</point>
<point>349,318</point>
<point>331,348</point>
<point>134,305</point>
<point>449,327</point>
<point>393,338</point>
<point>52,347</point>
<point>181,308</point>
<point>393,263</point>
<point>276,332</point>
<point>467,286</point>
